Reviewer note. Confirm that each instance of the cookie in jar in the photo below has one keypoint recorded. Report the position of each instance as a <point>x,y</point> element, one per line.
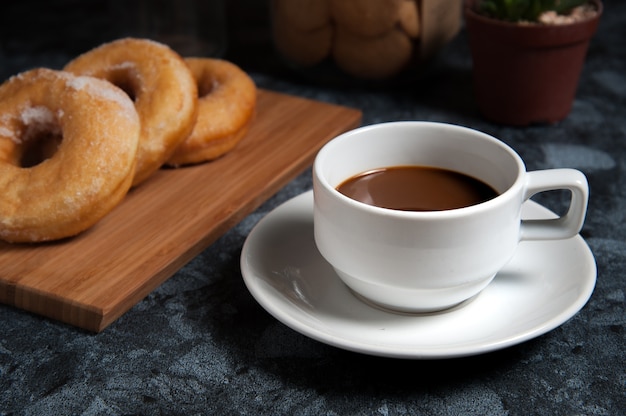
<point>369,40</point>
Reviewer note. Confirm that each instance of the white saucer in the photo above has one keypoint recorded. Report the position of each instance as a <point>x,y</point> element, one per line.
<point>544,285</point>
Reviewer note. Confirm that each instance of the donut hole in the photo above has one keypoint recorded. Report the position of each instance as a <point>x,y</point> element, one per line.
<point>206,86</point>
<point>39,148</point>
<point>127,79</point>
<point>40,136</point>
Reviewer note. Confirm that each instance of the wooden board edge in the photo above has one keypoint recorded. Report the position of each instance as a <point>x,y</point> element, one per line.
<point>237,215</point>
<point>94,319</point>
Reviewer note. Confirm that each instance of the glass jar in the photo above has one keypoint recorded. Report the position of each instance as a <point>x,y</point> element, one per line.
<point>366,40</point>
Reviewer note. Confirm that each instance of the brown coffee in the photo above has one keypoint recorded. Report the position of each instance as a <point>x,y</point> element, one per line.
<point>416,188</point>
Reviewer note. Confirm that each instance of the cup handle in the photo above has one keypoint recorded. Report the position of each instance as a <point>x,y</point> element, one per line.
<point>567,225</point>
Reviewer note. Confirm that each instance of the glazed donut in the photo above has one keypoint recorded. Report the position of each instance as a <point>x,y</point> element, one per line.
<point>73,186</point>
<point>226,106</point>
<point>161,85</point>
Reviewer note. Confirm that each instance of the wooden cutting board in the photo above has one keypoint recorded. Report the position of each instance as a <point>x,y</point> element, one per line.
<point>92,279</point>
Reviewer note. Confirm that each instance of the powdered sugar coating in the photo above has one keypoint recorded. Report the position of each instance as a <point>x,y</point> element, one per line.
<point>101,89</point>
<point>6,132</point>
<point>37,115</point>
<point>37,120</point>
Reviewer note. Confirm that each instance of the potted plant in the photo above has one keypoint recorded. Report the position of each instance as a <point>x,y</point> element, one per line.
<point>528,55</point>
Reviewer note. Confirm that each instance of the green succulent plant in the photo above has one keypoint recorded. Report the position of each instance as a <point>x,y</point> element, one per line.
<point>525,10</point>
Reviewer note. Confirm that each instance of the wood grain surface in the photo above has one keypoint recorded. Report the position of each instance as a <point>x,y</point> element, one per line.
<point>92,279</point>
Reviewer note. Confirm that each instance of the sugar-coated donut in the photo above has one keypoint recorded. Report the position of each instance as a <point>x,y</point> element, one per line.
<point>73,186</point>
<point>162,87</point>
<point>226,106</point>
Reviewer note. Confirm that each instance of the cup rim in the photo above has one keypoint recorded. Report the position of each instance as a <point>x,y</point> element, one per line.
<point>501,198</point>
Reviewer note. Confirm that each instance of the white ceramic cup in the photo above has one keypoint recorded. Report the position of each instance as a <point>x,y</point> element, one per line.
<point>414,261</point>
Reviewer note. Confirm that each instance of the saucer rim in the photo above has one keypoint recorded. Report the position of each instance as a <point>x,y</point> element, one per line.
<point>414,352</point>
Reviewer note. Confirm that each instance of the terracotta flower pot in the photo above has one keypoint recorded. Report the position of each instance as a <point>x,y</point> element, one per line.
<point>526,74</point>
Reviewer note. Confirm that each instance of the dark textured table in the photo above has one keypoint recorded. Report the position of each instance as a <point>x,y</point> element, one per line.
<point>200,344</point>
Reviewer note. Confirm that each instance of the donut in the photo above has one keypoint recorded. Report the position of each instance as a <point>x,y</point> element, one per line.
<point>372,57</point>
<point>89,132</point>
<point>162,87</point>
<point>226,106</point>
<point>365,17</point>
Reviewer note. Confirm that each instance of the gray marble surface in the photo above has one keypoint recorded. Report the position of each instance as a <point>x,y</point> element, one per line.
<point>200,344</point>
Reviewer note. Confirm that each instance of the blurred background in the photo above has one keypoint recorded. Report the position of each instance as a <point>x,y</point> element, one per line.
<point>50,32</point>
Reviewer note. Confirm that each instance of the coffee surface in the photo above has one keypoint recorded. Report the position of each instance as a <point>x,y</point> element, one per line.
<point>416,188</point>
